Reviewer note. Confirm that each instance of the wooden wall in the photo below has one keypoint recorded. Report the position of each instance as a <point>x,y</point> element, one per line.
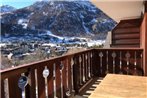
<point>145,6</point>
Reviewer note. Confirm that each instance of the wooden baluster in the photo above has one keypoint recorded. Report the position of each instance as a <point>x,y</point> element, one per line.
<point>36,82</point>
<point>128,58</point>
<point>120,63</point>
<point>107,65</point>
<point>80,60</point>
<point>89,73</point>
<point>113,56</point>
<point>45,75</point>
<point>72,83</point>
<point>141,63</point>
<point>101,62</point>
<point>91,57</point>
<point>54,80</point>
<point>2,88</point>
<point>67,80</point>
<point>86,65</point>
<point>83,69</point>
<point>13,86</point>
<point>61,77</point>
<point>6,88</point>
<point>135,63</point>
<point>22,82</point>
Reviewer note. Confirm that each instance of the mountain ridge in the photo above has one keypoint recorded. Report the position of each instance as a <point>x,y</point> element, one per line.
<point>6,8</point>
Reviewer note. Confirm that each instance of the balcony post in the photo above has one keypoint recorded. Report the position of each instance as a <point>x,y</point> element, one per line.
<point>144,43</point>
<point>145,50</point>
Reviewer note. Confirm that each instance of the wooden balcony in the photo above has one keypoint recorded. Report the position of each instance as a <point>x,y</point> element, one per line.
<point>68,75</point>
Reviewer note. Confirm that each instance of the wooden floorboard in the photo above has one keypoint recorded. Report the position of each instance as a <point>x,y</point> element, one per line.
<point>121,86</point>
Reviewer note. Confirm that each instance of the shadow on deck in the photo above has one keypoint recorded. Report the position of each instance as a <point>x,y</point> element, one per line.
<point>89,88</point>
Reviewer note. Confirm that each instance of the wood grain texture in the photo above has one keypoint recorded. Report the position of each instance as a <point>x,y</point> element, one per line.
<point>127,33</point>
<point>121,86</point>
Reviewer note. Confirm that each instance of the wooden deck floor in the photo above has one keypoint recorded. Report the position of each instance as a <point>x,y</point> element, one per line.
<point>85,93</point>
<point>121,86</point>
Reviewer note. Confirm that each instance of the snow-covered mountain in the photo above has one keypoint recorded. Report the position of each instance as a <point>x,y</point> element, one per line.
<point>6,8</point>
<point>61,18</point>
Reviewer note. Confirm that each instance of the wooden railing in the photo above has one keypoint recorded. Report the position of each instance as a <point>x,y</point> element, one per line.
<point>67,75</point>
<point>118,61</point>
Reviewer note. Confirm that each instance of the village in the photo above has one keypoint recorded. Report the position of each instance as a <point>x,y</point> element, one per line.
<point>18,53</point>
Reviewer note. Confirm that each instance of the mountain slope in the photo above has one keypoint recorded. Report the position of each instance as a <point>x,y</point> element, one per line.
<point>62,18</point>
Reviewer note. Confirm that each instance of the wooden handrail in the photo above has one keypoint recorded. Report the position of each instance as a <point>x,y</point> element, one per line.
<point>38,62</point>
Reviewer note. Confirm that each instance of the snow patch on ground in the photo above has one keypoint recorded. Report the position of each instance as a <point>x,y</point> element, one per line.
<point>95,43</point>
<point>23,22</point>
<point>51,34</point>
<point>44,13</point>
<point>49,44</point>
<point>80,40</point>
<point>94,21</point>
<point>67,40</point>
<point>85,28</point>
<point>2,45</point>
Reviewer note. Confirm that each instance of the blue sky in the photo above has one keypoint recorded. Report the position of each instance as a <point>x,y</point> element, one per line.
<point>17,3</point>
